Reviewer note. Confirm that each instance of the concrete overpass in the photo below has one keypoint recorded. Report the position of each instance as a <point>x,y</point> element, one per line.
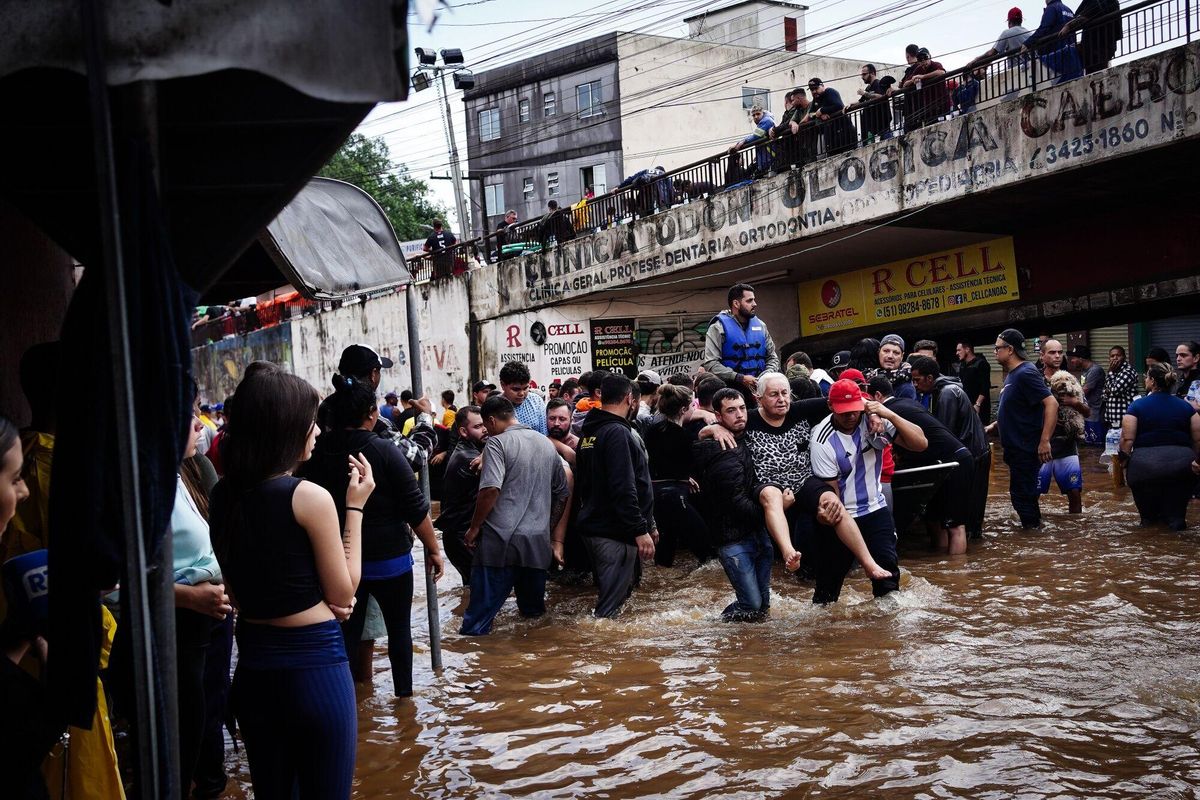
<point>1086,189</point>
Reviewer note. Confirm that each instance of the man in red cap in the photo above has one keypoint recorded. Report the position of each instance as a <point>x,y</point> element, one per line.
<point>849,457</point>
<point>1010,41</point>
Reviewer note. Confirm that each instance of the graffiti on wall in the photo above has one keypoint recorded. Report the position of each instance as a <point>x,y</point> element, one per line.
<point>218,367</point>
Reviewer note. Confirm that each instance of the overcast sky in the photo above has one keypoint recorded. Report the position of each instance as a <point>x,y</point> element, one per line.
<point>495,32</point>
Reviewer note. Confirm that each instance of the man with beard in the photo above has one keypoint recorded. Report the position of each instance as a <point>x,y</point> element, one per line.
<point>893,367</point>
<point>737,347</point>
<point>558,428</point>
<point>460,488</point>
<point>777,433</point>
<point>847,454</point>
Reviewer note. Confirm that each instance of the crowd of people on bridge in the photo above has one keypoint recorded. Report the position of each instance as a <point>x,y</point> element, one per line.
<point>817,122</point>
<point>299,514</point>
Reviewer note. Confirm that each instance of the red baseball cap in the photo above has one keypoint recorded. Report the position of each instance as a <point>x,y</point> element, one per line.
<point>853,375</point>
<point>1014,13</point>
<point>845,396</point>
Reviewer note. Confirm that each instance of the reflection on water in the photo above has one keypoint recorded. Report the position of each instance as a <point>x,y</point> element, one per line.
<point>1040,665</point>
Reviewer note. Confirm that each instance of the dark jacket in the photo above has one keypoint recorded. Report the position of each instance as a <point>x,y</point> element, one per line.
<point>943,446</point>
<point>727,481</point>
<point>397,501</point>
<point>951,404</point>
<point>460,488</point>
<point>612,479</point>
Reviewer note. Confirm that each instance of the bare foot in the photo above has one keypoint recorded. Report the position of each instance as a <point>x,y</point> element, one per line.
<point>876,572</point>
<point>791,561</point>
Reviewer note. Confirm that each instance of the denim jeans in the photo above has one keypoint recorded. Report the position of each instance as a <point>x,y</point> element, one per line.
<point>490,587</point>
<point>747,564</point>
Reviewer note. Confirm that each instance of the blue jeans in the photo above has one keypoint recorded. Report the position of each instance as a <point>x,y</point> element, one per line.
<point>747,564</point>
<point>490,587</point>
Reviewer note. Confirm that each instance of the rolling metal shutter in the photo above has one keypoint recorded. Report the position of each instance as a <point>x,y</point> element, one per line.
<point>1101,340</point>
<point>1168,333</point>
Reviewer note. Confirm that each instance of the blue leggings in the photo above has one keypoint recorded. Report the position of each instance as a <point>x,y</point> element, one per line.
<point>294,699</point>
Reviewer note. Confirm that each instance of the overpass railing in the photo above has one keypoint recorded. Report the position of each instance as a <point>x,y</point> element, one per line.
<point>1143,26</point>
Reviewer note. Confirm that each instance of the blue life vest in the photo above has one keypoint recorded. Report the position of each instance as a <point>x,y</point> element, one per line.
<point>745,349</point>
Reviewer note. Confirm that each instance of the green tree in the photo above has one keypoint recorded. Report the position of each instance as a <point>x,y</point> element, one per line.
<point>366,163</point>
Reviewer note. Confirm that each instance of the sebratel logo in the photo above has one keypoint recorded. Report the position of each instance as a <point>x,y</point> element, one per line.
<point>831,294</point>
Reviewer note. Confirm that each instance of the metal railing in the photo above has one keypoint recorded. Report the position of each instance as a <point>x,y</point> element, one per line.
<point>1143,26</point>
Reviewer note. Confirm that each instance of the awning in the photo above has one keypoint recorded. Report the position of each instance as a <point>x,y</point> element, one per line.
<point>333,240</point>
<point>252,98</point>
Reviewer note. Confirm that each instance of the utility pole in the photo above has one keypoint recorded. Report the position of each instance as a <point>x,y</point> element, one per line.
<point>455,172</point>
<point>452,61</point>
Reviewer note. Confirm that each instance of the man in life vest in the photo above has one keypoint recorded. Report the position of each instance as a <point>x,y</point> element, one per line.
<point>738,347</point>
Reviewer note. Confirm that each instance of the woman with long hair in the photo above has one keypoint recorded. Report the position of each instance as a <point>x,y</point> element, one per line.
<point>396,508</point>
<point>1160,437</point>
<point>292,571</point>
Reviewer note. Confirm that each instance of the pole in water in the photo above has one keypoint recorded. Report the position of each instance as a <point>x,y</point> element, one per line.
<point>431,597</point>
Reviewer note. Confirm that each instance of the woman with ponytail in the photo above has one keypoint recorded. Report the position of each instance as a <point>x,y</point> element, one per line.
<point>396,509</point>
<point>291,568</point>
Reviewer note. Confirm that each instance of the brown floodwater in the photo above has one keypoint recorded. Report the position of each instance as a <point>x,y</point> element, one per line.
<point>1057,664</point>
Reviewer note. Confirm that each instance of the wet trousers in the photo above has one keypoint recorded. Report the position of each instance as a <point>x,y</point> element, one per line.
<point>834,560</point>
<point>394,596</point>
<point>1023,468</point>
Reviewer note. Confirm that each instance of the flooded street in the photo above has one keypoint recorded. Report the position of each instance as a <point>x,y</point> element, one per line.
<point>1040,665</point>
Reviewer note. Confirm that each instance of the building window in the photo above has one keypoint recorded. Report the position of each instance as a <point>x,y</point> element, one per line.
<point>589,99</point>
<point>493,199</point>
<point>593,178</point>
<point>523,110</point>
<point>756,97</point>
<point>552,184</point>
<point>528,189</point>
<point>549,104</point>
<point>489,124</point>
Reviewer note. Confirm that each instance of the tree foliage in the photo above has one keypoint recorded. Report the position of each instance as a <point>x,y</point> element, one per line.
<point>366,163</point>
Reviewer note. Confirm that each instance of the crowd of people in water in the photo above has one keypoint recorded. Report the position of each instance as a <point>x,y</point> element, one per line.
<point>297,514</point>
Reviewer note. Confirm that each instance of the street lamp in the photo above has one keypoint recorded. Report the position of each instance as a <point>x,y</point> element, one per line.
<point>452,61</point>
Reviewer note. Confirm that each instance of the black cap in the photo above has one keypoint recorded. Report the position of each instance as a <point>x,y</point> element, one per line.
<point>841,359</point>
<point>482,385</point>
<point>815,82</point>
<point>1015,338</point>
<point>1081,351</point>
<point>359,360</point>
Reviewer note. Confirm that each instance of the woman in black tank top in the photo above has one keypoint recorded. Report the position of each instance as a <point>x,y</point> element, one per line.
<point>292,572</point>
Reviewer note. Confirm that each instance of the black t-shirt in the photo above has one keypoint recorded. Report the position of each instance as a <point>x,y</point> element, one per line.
<point>781,454</point>
<point>439,241</point>
<point>976,376</point>
<point>670,449</point>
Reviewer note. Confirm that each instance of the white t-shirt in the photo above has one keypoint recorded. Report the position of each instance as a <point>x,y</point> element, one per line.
<point>854,460</point>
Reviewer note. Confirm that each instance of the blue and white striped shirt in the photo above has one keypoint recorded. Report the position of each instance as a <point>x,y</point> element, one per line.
<point>854,460</point>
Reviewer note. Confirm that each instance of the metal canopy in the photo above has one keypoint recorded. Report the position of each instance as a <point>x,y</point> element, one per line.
<point>333,240</point>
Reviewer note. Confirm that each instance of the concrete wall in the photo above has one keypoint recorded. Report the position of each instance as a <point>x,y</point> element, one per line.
<point>311,346</point>
<point>748,25</point>
<point>662,128</point>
